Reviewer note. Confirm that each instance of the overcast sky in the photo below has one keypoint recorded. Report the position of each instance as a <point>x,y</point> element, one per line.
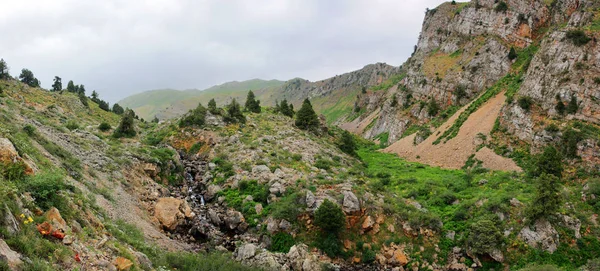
<point>124,47</point>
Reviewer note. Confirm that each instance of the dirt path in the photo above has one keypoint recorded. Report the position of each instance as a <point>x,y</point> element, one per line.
<point>454,153</point>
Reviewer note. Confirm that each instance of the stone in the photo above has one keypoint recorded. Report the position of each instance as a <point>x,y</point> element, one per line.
<point>170,212</point>
<point>10,222</point>
<point>12,258</point>
<point>276,189</point>
<point>350,204</point>
<point>123,263</point>
<point>55,219</point>
<point>450,235</point>
<point>399,258</point>
<point>143,260</point>
<point>68,240</point>
<point>515,202</point>
<point>211,192</point>
<point>151,169</point>
<point>368,223</point>
<point>310,199</point>
<point>572,223</point>
<point>285,225</point>
<point>497,255</point>
<point>544,237</point>
<point>260,169</point>
<point>233,219</point>
<point>258,208</point>
<point>272,225</point>
<point>391,228</point>
<point>9,154</point>
<point>296,256</point>
<point>212,166</point>
<point>245,252</point>
<point>214,217</point>
<point>483,182</point>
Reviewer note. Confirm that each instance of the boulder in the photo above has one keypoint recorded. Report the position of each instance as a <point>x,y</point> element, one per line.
<point>211,192</point>
<point>572,223</point>
<point>12,258</point>
<point>277,189</point>
<point>543,237</point>
<point>351,204</point>
<point>235,220</point>
<point>10,222</point>
<point>368,223</point>
<point>260,169</point>
<point>245,252</point>
<point>272,225</point>
<point>310,199</point>
<point>258,208</point>
<point>285,225</point>
<point>170,212</point>
<point>144,261</point>
<point>296,256</point>
<point>9,154</point>
<point>55,219</point>
<point>123,263</point>
<point>214,217</point>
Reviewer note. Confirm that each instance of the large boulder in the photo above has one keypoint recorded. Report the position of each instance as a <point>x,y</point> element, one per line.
<point>9,155</point>
<point>12,258</point>
<point>542,236</point>
<point>211,192</point>
<point>245,252</point>
<point>351,204</point>
<point>235,220</point>
<point>171,212</point>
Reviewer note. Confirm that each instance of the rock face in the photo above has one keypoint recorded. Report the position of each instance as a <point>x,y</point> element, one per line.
<point>170,212</point>
<point>350,203</point>
<point>9,256</point>
<point>9,155</point>
<point>543,236</point>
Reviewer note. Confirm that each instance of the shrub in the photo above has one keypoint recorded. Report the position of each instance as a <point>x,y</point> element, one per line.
<point>569,141</point>
<point>501,7</point>
<point>126,127</point>
<point>12,171</point>
<point>212,107</point>
<point>368,256</point>
<point>46,190</point>
<point>394,102</point>
<point>72,125</point>
<point>552,128</point>
<point>433,108</point>
<point>525,102</point>
<point>597,80</point>
<point>560,106</point>
<point>330,244</point>
<point>286,208</point>
<point>323,164</point>
<point>252,104</point>
<point>346,143</point>
<point>573,106</point>
<point>195,117</point>
<point>104,127</point>
<point>29,130</point>
<point>330,217</point>
<point>234,113</point>
<point>282,242</point>
<point>460,92</point>
<point>306,118</point>
<point>548,162</point>
<point>484,236</point>
<point>578,37</point>
<point>512,54</point>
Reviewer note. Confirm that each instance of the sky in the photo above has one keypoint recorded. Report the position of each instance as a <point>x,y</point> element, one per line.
<point>119,48</point>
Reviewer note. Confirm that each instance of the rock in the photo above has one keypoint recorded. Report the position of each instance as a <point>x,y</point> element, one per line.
<point>272,225</point>
<point>311,264</point>
<point>483,182</point>
<point>399,258</point>
<point>123,263</point>
<point>245,252</point>
<point>497,255</point>
<point>284,225</point>
<point>211,192</point>
<point>258,208</point>
<point>572,223</point>
<point>351,204</point>
<point>170,212</point>
<point>368,223</point>
<point>10,222</point>
<point>235,220</point>
<point>12,258</point>
<point>450,235</point>
<point>457,267</point>
<point>296,256</point>
<point>144,261</point>
<point>260,169</point>
<point>391,228</point>
<point>277,189</point>
<point>233,139</point>
<point>55,219</point>
<point>212,166</point>
<point>151,169</point>
<point>9,154</point>
<point>68,240</point>
<point>310,199</point>
<point>279,173</point>
<point>544,237</point>
<point>214,217</point>
<point>248,199</point>
<point>515,202</point>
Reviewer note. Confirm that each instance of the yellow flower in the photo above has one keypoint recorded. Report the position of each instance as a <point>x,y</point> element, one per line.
<point>22,216</point>
<point>30,219</point>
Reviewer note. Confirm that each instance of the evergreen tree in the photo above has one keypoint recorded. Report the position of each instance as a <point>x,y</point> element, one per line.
<point>484,236</point>
<point>126,127</point>
<point>57,85</point>
<point>212,107</point>
<point>104,105</point>
<point>94,94</point>
<point>71,86</point>
<point>330,217</point>
<point>27,77</point>
<point>252,105</point>
<point>4,72</point>
<point>195,117</point>
<point>573,105</point>
<point>560,106</point>
<point>285,109</point>
<point>347,144</point>
<point>306,118</point>
<point>117,109</point>
<point>548,162</point>
<point>234,113</point>
<point>81,89</point>
<point>547,198</point>
<point>83,99</point>
<point>155,119</point>
<point>512,54</point>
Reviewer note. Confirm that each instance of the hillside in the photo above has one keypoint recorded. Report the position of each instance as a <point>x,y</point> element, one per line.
<point>169,103</point>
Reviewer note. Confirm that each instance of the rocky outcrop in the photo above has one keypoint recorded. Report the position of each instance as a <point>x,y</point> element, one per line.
<point>351,204</point>
<point>12,258</point>
<point>542,236</point>
<point>170,212</point>
<point>9,155</point>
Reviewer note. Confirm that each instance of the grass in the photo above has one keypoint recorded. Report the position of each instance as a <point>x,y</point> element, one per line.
<point>387,84</point>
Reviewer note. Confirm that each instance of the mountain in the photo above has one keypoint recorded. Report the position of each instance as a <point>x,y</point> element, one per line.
<point>168,103</point>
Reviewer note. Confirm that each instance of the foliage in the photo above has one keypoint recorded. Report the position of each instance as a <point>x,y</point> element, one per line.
<point>578,37</point>
<point>285,109</point>
<point>4,72</point>
<point>460,92</point>
<point>346,143</point>
<point>195,117</point>
<point>104,127</point>
<point>12,171</point>
<point>573,106</point>
<point>27,77</point>
<point>512,54</point>
<point>29,130</point>
<point>83,99</point>
<point>548,162</point>
<point>525,102</point>
<point>286,208</point>
<point>117,109</point>
<point>330,244</point>
<point>368,256</point>
<point>234,113</point>
<point>484,236</point>
<point>306,118</point>
<point>212,107</point>
<point>46,189</point>
<point>501,7</point>
<point>547,198</point>
<point>560,106</point>
<point>57,85</point>
<point>252,104</point>
<point>390,82</point>
<point>330,217</point>
<point>282,242</point>
<point>394,102</point>
<point>72,125</point>
<point>433,108</point>
<point>127,126</point>
<point>569,140</point>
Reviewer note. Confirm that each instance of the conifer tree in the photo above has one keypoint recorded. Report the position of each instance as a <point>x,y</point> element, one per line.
<point>573,105</point>
<point>126,127</point>
<point>234,113</point>
<point>212,107</point>
<point>57,85</point>
<point>547,198</point>
<point>306,118</point>
<point>27,77</point>
<point>4,72</point>
<point>285,109</point>
<point>117,109</point>
<point>560,106</point>
<point>71,87</point>
<point>347,144</point>
<point>252,105</point>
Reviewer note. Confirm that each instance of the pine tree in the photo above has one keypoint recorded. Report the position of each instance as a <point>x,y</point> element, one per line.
<point>57,86</point>
<point>71,87</point>
<point>126,127</point>
<point>347,144</point>
<point>83,99</point>
<point>212,107</point>
<point>4,72</point>
<point>252,105</point>
<point>548,162</point>
<point>330,217</point>
<point>285,109</point>
<point>81,89</point>
<point>573,105</point>
<point>117,109</point>
<point>94,94</point>
<point>547,198</point>
<point>27,77</point>
<point>234,113</point>
<point>195,117</point>
<point>560,106</point>
<point>306,118</point>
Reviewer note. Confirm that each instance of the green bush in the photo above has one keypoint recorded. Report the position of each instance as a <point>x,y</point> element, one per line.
<point>346,143</point>
<point>569,141</point>
<point>330,244</point>
<point>29,130</point>
<point>234,113</point>
<point>501,7</point>
<point>549,162</point>
<point>433,108</point>
<point>12,171</point>
<point>578,37</point>
<point>286,208</point>
<point>47,189</point>
<point>104,127</point>
<point>195,117</point>
<point>484,237</point>
<point>547,198</point>
<point>126,127</point>
<point>368,256</point>
<point>323,164</point>
<point>72,125</point>
<point>512,54</point>
<point>525,102</point>
<point>282,242</point>
<point>536,267</point>
<point>330,217</point>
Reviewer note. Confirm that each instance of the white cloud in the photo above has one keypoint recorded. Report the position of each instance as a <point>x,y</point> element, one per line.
<point>123,47</point>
